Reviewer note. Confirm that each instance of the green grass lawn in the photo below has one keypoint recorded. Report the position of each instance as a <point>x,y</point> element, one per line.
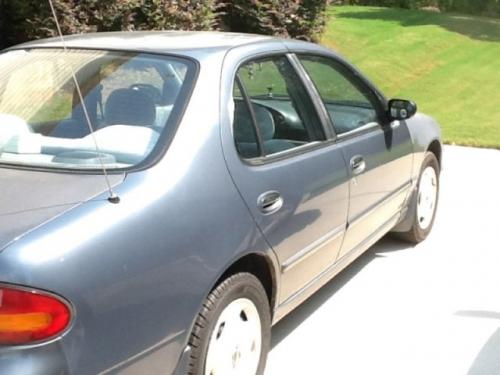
<point>448,63</point>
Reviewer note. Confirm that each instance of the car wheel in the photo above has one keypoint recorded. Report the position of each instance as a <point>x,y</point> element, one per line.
<point>423,209</point>
<point>232,332</point>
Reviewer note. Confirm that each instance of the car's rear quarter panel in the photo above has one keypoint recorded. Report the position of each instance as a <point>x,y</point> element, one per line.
<point>137,272</point>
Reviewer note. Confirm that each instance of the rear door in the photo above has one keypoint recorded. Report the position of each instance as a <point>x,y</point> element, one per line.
<point>378,153</point>
<point>293,181</point>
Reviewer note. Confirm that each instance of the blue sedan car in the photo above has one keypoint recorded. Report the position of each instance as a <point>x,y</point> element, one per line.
<point>191,190</point>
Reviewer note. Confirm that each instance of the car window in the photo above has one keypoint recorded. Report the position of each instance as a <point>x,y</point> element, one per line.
<point>284,114</point>
<point>348,101</point>
<point>37,78</point>
<point>129,98</point>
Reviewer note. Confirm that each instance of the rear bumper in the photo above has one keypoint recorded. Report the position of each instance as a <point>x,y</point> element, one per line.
<point>50,360</point>
<point>42,360</point>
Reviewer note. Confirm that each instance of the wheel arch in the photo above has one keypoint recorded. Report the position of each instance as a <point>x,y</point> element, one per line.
<point>437,149</point>
<point>259,265</point>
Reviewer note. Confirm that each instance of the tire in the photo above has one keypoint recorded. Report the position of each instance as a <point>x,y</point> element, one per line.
<point>423,217</point>
<point>231,311</point>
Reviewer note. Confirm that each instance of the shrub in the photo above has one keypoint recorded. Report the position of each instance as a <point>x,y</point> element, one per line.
<point>162,15</point>
<point>32,19</point>
<point>301,19</point>
<point>471,6</point>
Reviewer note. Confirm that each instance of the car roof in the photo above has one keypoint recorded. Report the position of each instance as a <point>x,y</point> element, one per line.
<point>154,41</point>
<point>199,45</point>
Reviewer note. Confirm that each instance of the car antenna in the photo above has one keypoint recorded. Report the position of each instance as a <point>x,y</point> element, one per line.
<point>113,198</point>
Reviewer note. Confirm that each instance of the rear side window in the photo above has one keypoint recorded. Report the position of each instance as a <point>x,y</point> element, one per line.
<point>273,111</point>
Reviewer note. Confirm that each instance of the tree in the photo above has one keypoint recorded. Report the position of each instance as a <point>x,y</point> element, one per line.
<point>32,19</point>
<point>298,19</point>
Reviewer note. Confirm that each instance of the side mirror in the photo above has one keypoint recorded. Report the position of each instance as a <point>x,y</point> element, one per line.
<point>400,109</point>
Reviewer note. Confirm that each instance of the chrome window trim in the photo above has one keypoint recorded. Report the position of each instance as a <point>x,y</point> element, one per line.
<point>362,129</point>
<point>286,154</point>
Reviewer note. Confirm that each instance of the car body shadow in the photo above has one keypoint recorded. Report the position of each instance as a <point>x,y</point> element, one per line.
<point>285,326</point>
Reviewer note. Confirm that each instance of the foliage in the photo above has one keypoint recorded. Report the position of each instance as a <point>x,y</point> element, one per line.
<point>163,14</point>
<point>31,19</point>
<point>22,20</point>
<point>491,7</point>
<point>301,19</point>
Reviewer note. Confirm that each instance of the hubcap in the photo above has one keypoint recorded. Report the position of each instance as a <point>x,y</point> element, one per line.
<point>427,197</point>
<point>235,343</point>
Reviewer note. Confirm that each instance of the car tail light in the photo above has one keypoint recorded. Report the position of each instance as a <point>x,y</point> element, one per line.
<point>28,316</point>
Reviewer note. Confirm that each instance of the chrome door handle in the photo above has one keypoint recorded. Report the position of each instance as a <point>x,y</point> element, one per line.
<point>357,164</point>
<point>269,202</point>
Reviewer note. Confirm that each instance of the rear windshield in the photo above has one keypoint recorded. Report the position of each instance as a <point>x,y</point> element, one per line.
<point>132,100</point>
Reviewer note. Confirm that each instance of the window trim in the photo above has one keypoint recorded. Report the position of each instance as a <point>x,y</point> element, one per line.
<point>264,159</point>
<point>253,117</point>
<point>356,79</point>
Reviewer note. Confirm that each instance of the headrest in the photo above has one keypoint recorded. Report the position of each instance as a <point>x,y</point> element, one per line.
<point>130,107</point>
<point>243,128</point>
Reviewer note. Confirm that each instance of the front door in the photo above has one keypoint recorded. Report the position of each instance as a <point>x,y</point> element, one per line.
<point>294,183</point>
<point>379,154</point>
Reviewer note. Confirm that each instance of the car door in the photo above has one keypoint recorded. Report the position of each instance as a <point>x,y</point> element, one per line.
<point>378,153</point>
<point>293,181</point>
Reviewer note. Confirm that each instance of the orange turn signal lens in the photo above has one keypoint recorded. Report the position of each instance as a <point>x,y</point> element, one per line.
<point>24,322</point>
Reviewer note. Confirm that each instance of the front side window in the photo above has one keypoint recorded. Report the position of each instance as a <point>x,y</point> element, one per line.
<point>273,111</point>
<point>349,102</point>
<point>129,98</point>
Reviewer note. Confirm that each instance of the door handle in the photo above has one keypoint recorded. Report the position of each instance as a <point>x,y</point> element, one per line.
<point>269,202</point>
<point>357,164</point>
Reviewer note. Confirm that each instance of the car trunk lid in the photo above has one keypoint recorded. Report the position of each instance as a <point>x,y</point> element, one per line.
<point>31,198</point>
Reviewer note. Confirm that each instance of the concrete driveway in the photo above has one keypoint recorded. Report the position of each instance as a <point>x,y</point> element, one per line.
<point>429,309</point>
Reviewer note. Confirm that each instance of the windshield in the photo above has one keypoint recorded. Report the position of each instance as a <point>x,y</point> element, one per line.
<point>131,98</point>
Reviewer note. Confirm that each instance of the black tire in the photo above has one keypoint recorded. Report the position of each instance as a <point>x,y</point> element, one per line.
<point>240,285</point>
<point>417,234</point>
